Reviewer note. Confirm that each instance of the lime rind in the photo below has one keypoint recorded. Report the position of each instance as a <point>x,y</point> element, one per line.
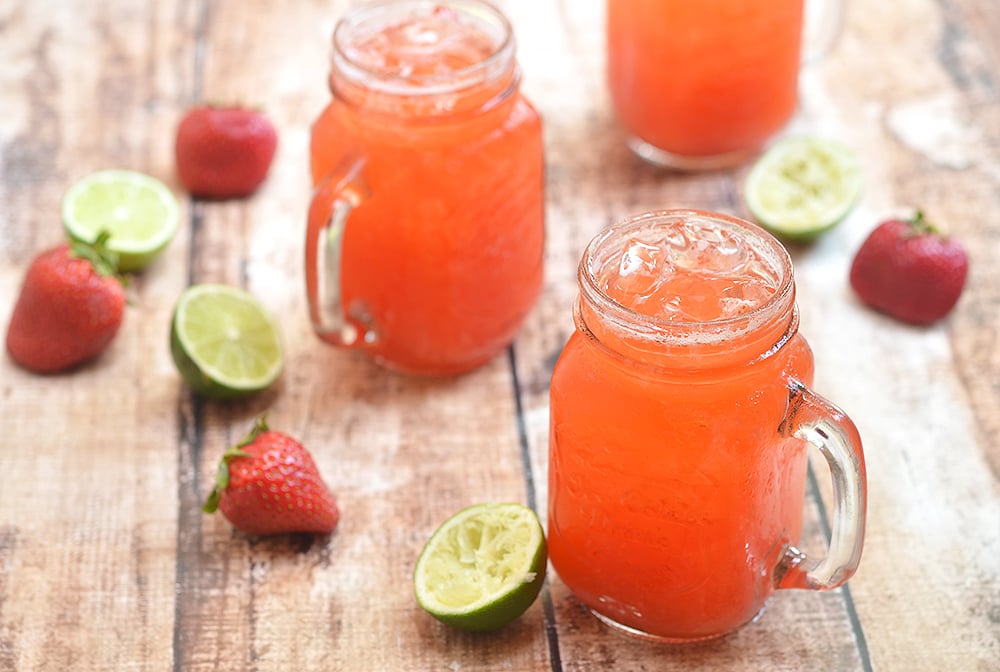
<point>483,567</point>
<point>140,212</point>
<point>803,186</point>
<point>224,342</point>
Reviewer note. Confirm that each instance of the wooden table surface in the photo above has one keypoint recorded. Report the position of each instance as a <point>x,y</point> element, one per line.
<point>106,561</point>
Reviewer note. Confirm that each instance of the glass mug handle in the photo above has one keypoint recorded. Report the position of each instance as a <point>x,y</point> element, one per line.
<point>823,21</point>
<point>821,424</point>
<point>333,200</point>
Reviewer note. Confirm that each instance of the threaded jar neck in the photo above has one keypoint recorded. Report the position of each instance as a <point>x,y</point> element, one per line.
<point>673,327</point>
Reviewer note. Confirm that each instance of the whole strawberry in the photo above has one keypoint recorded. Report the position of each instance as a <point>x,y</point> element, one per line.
<point>224,152</point>
<point>907,269</point>
<point>70,307</point>
<point>269,484</point>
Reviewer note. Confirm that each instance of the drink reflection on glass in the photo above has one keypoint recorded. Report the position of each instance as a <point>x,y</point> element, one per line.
<point>703,84</point>
<point>425,237</point>
<point>680,418</point>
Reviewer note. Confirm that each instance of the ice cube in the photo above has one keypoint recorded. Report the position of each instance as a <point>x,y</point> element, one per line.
<point>638,257</point>
<point>707,247</point>
<point>744,295</point>
<point>641,270</point>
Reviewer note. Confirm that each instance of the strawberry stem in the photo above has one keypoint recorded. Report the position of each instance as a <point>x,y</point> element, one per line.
<point>922,226</point>
<point>105,261</point>
<point>259,427</point>
<point>211,504</point>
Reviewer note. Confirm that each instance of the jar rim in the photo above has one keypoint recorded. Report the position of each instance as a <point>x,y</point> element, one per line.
<point>479,13</point>
<point>711,331</point>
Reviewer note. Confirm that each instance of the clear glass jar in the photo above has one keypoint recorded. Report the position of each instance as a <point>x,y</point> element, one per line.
<point>706,84</point>
<point>680,417</point>
<point>426,228</point>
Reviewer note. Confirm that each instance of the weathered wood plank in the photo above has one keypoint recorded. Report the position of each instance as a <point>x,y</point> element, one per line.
<point>838,99</point>
<point>402,454</point>
<point>925,399</point>
<point>88,476</point>
<point>102,471</point>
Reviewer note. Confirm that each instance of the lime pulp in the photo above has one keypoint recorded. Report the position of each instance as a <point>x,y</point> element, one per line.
<point>224,342</point>
<point>803,186</point>
<point>483,567</point>
<point>139,212</point>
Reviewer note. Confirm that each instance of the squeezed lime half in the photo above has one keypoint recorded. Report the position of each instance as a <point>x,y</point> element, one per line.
<point>483,567</point>
<point>803,186</point>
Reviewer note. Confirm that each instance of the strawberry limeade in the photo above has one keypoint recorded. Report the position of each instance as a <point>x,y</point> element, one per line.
<point>436,158</point>
<point>676,478</point>
<point>703,80</point>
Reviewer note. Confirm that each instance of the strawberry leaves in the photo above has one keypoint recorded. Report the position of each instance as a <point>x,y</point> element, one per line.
<point>211,504</point>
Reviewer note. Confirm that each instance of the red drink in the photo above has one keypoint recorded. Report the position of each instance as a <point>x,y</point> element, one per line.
<point>703,83</point>
<point>431,161</point>
<point>677,466</point>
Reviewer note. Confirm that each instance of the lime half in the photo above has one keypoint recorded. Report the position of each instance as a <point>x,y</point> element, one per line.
<point>138,211</point>
<point>224,343</point>
<point>483,567</point>
<point>803,186</point>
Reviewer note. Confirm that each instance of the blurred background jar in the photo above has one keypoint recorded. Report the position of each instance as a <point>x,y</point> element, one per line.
<point>705,84</point>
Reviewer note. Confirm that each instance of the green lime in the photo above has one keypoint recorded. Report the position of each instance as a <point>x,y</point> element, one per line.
<point>802,186</point>
<point>483,567</point>
<point>224,343</point>
<point>138,211</point>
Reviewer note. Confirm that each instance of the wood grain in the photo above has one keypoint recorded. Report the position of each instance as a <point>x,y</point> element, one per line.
<point>106,560</point>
